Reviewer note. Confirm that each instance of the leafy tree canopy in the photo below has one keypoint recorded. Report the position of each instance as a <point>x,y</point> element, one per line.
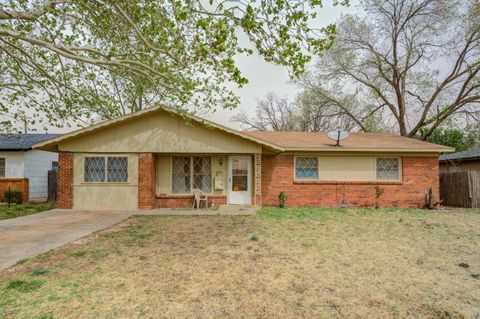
<point>64,60</point>
<point>461,140</point>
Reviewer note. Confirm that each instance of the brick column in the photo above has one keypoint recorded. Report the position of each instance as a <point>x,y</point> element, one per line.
<point>257,174</point>
<point>146,181</point>
<point>65,180</point>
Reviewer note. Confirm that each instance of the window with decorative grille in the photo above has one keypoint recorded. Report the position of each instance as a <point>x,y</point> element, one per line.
<point>306,167</point>
<point>94,169</point>
<point>2,167</point>
<point>100,169</point>
<point>388,168</point>
<point>202,174</point>
<point>181,175</point>
<point>117,169</point>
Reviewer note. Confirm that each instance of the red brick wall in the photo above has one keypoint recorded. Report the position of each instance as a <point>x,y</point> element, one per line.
<point>419,174</point>
<point>186,201</point>
<point>65,180</point>
<point>146,181</point>
<point>15,184</point>
<point>257,180</point>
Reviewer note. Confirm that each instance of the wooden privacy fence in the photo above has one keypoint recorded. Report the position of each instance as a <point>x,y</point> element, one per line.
<point>15,184</point>
<point>461,189</point>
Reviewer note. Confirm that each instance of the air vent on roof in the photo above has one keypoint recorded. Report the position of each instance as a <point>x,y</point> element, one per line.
<point>338,135</point>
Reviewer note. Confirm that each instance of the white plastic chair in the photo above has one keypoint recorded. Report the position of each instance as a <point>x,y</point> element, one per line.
<point>199,196</point>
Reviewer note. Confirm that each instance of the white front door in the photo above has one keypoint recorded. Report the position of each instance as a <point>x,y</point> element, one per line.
<point>240,180</point>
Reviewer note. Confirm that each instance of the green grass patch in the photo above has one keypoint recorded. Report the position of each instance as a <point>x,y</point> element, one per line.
<point>23,285</point>
<point>333,213</point>
<point>21,261</point>
<point>22,210</point>
<point>39,272</point>
<point>79,253</point>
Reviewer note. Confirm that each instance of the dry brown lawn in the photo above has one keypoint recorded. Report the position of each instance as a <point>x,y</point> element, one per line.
<point>299,263</point>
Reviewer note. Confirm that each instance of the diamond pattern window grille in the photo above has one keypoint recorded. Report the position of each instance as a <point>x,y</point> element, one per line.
<point>306,167</point>
<point>202,174</point>
<point>2,167</point>
<point>388,168</point>
<point>181,175</point>
<point>94,169</point>
<point>117,169</point>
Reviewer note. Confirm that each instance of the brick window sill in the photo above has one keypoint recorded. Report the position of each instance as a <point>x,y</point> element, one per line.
<point>347,182</point>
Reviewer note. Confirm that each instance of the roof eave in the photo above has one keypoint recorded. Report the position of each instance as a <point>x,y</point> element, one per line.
<point>342,149</point>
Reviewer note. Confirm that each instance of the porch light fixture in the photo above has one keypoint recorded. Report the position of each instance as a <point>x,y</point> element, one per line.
<point>220,161</point>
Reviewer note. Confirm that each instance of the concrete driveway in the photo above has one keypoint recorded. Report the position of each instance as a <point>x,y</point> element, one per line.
<point>31,235</point>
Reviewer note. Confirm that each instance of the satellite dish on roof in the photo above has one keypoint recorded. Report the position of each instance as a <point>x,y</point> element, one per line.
<point>338,135</point>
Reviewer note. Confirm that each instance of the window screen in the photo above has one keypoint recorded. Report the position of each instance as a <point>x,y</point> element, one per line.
<point>117,169</point>
<point>306,167</point>
<point>388,168</point>
<point>202,174</point>
<point>181,175</point>
<point>94,169</point>
<point>2,167</point>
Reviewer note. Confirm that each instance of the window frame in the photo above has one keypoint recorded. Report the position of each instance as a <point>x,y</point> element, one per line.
<point>4,167</point>
<point>400,169</point>
<point>191,173</point>
<point>105,169</point>
<point>303,178</point>
<point>171,173</point>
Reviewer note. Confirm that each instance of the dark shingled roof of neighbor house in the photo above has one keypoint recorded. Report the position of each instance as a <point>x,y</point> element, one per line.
<point>22,142</point>
<point>471,154</point>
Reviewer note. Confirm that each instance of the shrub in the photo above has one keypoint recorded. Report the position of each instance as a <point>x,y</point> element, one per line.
<point>12,196</point>
<point>282,200</point>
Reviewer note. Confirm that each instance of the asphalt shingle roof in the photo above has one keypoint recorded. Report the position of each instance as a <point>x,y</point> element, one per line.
<point>468,154</point>
<point>356,141</point>
<point>22,142</point>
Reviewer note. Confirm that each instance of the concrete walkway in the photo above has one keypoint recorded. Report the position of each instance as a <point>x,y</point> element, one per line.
<point>29,236</point>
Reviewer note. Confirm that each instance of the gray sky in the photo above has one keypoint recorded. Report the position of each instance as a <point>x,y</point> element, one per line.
<point>265,77</point>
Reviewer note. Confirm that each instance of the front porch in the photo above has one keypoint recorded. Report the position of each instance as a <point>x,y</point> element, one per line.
<point>166,180</point>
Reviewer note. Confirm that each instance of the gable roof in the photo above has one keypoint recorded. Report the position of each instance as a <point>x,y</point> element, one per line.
<point>471,154</point>
<point>276,141</point>
<point>22,142</point>
<point>53,143</point>
<point>316,141</point>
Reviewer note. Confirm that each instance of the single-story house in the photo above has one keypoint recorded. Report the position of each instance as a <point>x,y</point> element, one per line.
<point>24,169</point>
<point>155,157</point>
<point>468,160</point>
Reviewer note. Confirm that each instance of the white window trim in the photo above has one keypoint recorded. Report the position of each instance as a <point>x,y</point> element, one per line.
<point>5,168</point>
<point>191,174</point>
<point>106,170</point>
<point>400,169</point>
<point>295,178</point>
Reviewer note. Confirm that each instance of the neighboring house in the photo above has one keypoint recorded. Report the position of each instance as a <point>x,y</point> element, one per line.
<point>461,161</point>
<point>24,169</point>
<point>155,157</point>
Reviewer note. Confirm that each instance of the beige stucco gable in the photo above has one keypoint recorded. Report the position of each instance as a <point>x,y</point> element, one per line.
<point>157,133</point>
